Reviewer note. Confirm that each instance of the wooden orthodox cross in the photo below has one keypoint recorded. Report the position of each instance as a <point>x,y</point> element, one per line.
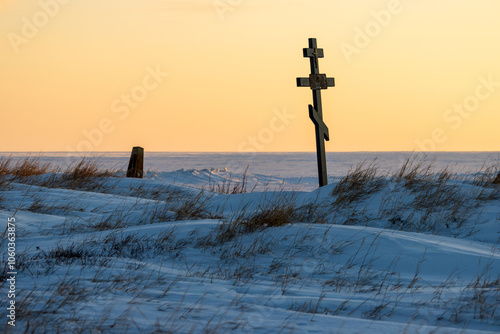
<point>317,82</point>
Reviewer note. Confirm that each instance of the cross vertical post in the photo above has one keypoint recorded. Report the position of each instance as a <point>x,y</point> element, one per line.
<point>317,82</point>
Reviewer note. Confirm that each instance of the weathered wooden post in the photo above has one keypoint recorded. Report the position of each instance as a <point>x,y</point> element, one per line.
<point>317,82</point>
<point>136,164</point>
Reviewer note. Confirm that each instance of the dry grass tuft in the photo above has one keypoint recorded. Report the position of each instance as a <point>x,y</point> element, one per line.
<point>273,216</point>
<point>29,166</point>
<point>85,174</point>
<point>4,171</point>
<point>359,183</point>
<point>191,208</point>
<point>86,169</point>
<point>4,166</point>
<point>438,194</point>
<point>415,171</point>
<point>279,212</point>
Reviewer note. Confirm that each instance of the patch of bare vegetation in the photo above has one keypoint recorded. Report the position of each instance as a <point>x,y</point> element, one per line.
<point>86,174</point>
<point>278,212</point>
<point>357,185</point>
<point>414,171</point>
<point>83,175</point>
<point>4,166</point>
<point>4,176</point>
<point>30,166</point>
<point>277,215</point>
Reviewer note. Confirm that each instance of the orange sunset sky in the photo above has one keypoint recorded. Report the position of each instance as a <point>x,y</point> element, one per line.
<point>219,75</point>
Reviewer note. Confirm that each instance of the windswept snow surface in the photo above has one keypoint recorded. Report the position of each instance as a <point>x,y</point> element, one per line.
<point>155,255</point>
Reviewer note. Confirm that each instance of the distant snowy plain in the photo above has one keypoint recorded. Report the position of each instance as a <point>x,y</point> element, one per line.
<point>172,254</point>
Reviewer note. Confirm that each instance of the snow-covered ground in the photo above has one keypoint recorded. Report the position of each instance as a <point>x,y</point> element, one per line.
<point>370,253</point>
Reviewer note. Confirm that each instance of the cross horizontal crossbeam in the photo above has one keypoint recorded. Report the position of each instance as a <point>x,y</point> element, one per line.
<point>313,52</point>
<point>316,81</point>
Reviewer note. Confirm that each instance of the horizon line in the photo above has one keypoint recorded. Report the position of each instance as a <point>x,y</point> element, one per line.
<point>266,152</point>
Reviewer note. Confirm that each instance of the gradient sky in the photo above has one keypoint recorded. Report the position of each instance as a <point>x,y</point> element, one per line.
<point>414,74</point>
